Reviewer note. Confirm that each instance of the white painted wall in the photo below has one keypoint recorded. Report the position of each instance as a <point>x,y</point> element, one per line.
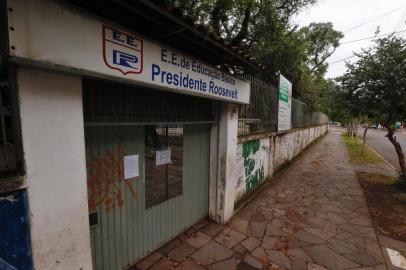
<point>260,162</point>
<point>274,152</point>
<point>53,140</point>
<point>222,185</point>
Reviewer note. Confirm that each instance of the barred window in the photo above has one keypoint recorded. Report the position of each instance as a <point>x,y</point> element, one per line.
<point>10,157</point>
<point>163,178</point>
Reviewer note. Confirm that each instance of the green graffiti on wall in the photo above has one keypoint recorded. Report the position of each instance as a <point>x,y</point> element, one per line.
<point>250,147</point>
<point>253,178</point>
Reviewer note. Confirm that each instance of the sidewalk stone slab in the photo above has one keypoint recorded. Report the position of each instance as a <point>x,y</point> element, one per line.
<point>313,266</point>
<point>170,246</point>
<point>230,264</point>
<point>197,240</point>
<point>251,243</point>
<point>363,259</point>
<point>279,258</point>
<point>229,238</point>
<point>342,247</point>
<point>298,264</point>
<point>260,254</point>
<point>211,253</point>
<point>181,252</point>
<point>269,242</point>
<point>337,219</point>
<point>253,261</point>
<point>148,261</point>
<point>361,220</point>
<point>239,225</point>
<point>272,230</point>
<point>190,264</point>
<point>308,237</point>
<point>328,258</point>
<point>240,249</point>
<point>322,234</point>
<point>299,253</point>
<point>211,229</point>
<point>358,242</point>
<point>376,267</point>
<point>163,264</point>
<point>245,266</point>
<point>258,217</point>
<point>257,229</point>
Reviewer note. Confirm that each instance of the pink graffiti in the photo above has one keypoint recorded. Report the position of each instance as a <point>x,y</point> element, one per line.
<point>104,175</point>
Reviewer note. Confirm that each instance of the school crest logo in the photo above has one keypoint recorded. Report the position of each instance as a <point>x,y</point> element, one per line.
<point>122,51</point>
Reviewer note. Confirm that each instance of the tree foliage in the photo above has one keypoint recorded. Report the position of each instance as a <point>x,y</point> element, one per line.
<point>321,41</point>
<point>264,29</point>
<point>376,86</point>
<point>376,83</point>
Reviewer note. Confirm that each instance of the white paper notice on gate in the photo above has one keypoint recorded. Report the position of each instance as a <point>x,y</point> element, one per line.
<point>131,168</point>
<point>163,157</point>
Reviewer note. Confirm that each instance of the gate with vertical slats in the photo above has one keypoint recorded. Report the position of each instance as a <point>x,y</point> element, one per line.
<point>129,218</point>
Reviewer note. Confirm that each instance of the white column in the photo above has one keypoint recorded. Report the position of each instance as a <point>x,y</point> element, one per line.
<point>223,173</point>
<point>54,152</point>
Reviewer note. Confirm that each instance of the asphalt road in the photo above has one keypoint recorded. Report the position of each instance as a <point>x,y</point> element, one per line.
<point>377,140</point>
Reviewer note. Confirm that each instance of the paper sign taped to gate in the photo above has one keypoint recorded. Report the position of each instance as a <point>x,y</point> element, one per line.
<point>131,167</point>
<point>163,157</point>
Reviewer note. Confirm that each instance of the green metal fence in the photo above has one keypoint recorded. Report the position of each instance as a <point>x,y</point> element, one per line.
<point>302,116</point>
<point>261,115</point>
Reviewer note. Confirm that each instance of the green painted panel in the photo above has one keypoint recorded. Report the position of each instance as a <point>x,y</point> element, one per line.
<point>126,231</point>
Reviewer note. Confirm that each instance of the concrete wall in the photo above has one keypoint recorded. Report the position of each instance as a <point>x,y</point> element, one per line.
<point>253,162</point>
<point>53,141</point>
<point>259,158</point>
<point>223,143</point>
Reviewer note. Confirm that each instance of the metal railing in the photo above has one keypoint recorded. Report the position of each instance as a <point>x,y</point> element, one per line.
<point>302,116</point>
<point>261,114</point>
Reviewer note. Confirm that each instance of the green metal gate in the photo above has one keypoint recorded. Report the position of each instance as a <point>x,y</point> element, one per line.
<point>123,228</point>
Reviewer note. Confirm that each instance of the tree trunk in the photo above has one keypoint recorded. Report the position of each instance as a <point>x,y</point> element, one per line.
<point>364,138</point>
<point>399,152</point>
<point>351,129</point>
<point>355,129</point>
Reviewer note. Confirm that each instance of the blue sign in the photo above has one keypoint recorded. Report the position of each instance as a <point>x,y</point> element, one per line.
<point>15,245</point>
<point>125,59</point>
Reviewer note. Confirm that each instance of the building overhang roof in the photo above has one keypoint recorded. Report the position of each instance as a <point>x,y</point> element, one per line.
<point>170,27</point>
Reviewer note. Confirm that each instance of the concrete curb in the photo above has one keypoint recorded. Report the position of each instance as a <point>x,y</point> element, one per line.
<point>386,161</point>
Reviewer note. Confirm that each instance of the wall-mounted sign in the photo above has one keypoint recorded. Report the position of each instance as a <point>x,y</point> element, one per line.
<point>122,51</point>
<point>83,44</point>
<point>163,157</point>
<point>285,104</point>
<point>131,166</point>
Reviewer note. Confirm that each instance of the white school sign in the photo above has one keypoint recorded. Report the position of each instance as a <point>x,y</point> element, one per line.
<point>285,104</point>
<point>48,34</point>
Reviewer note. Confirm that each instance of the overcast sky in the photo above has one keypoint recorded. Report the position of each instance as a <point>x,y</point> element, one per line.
<point>347,14</point>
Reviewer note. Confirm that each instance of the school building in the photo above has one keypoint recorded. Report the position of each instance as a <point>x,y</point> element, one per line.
<point>119,130</point>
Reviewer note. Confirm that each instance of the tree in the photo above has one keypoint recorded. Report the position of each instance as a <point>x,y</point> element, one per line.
<point>378,80</point>
<point>263,28</point>
<point>321,42</point>
<point>334,103</point>
<point>237,20</point>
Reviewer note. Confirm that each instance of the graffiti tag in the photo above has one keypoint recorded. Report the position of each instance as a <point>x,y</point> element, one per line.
<point>104,176</point>
<point>253,177</point>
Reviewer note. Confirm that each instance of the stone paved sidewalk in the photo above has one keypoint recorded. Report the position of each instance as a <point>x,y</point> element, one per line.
<point>314,217</point>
